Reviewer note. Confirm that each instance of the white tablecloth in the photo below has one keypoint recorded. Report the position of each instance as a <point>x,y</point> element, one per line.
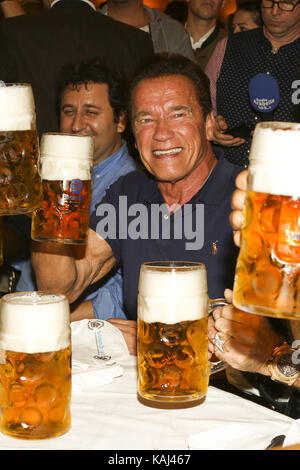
<point>111,417</point>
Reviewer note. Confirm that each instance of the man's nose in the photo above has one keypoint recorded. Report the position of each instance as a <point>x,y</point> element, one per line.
<point>275,9</point>
<point>78,123</point>
<point>163,130</point>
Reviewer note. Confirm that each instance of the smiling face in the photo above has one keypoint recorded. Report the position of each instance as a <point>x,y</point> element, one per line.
<point>85,110</point>
<point>170,131</point>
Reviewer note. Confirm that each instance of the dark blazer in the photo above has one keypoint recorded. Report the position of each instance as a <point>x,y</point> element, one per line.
<point>34,47</point>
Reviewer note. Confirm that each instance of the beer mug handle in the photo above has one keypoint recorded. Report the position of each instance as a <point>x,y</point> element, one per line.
<point>219,365</point>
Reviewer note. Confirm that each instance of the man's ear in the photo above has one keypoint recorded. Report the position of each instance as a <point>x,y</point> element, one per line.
<point>122,122</point>
<point>209,126</point>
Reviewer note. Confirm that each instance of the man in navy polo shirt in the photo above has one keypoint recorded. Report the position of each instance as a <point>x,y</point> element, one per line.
<point>176,209</point>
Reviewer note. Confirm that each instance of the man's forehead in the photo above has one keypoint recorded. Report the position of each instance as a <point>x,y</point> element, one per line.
<point>167,85</point>
<point>89,92</point>
<point>86,88</point>
<point>156,84</point>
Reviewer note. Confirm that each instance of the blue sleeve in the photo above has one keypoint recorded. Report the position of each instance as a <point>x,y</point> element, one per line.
<point>108,302</point>
<point>21,224</point>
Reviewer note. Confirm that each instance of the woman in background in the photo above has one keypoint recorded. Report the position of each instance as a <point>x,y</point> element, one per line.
<point>247,16</point>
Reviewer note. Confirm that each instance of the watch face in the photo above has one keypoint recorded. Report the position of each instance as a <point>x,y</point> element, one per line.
<point>285,365</point>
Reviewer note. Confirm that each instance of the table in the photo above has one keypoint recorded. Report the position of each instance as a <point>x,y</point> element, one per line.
<point>110,417</point>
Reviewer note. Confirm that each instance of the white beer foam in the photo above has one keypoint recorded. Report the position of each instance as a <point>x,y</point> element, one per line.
<point>66,157</point>
<point>275,159</point>
<point>17,108</point>
<point>32,322</point>
<point>172,297</point>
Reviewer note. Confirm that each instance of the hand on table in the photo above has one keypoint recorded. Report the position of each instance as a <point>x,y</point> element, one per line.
<point>219,136</point>
<point>249,339</point>
<point>129,330</point>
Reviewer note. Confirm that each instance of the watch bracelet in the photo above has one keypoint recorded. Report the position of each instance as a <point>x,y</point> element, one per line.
<point>287,373</point>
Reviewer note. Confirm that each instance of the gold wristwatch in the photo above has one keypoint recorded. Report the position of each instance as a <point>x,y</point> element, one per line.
<point>281,365</point>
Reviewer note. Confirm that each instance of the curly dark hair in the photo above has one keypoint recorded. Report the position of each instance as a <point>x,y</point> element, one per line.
<point>92,71</point>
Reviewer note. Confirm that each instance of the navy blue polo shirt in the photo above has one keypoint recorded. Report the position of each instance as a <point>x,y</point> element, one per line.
<point>134,220</point>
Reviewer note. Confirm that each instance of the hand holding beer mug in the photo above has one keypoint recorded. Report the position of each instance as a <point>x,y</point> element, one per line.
<point>20,182</point>
<point>267,279</point>
<point>35,365</point>
<point>66,170</point>
<point>173,308</point>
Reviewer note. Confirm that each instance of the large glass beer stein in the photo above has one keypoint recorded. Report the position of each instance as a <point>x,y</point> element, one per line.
<point>35,365</point>
<point>66,170</point>
<point>173,310</point>
<point>20,182</point>
<point>267,279</point>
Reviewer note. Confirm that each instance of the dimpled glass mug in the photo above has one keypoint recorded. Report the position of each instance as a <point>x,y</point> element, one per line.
<point>173,309</point>
<point>66,171</point>
<point>35,365</point>
<point>20,181</point>
<point>267,279</point>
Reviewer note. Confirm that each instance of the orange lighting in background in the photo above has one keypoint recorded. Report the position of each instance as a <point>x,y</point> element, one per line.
<point>229,8</point>
<point>159,4</point>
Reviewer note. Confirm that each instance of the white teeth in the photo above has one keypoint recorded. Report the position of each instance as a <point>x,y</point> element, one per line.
<point>167,152</point>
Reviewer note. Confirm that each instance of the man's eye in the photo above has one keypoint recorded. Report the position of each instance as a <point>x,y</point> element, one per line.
<point>92,113</point>
<point>67,112</point>
<point>178,115</point>
<point>145,120</point>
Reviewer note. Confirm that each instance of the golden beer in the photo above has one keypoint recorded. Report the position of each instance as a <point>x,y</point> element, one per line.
<point>267,279</point>
<point>66,167</point>
<point>65,212</point>
<point>172,332</point>
<point>173,360</point>
<point>35,365</point>
<point>36,393</point>
<point>20,182</point>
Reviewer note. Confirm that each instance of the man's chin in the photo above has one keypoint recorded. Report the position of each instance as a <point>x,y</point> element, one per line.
<point>172,179</point>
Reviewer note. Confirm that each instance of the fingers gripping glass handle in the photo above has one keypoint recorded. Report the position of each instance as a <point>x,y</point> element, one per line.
<point>219,365</point>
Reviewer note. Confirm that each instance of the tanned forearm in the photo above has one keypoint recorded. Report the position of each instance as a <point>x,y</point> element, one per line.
<point>54,267</point>
<point>69,269</point>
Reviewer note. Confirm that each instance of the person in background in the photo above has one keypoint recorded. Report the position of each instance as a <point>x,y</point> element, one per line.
<point>166,33</point>
<point>34,48</point>
<point>12,8</point>
<point>247,16</point>
<point>90,101</point>
<point>202,26</point>
<point>177,9</point>
<point>272,49</point>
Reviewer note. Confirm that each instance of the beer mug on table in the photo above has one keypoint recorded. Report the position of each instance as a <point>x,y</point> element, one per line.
<point>173,307</point>
<point>20,182</point>
<point>35,365</point>
<point>66,170</point>
<point>267,279</point>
